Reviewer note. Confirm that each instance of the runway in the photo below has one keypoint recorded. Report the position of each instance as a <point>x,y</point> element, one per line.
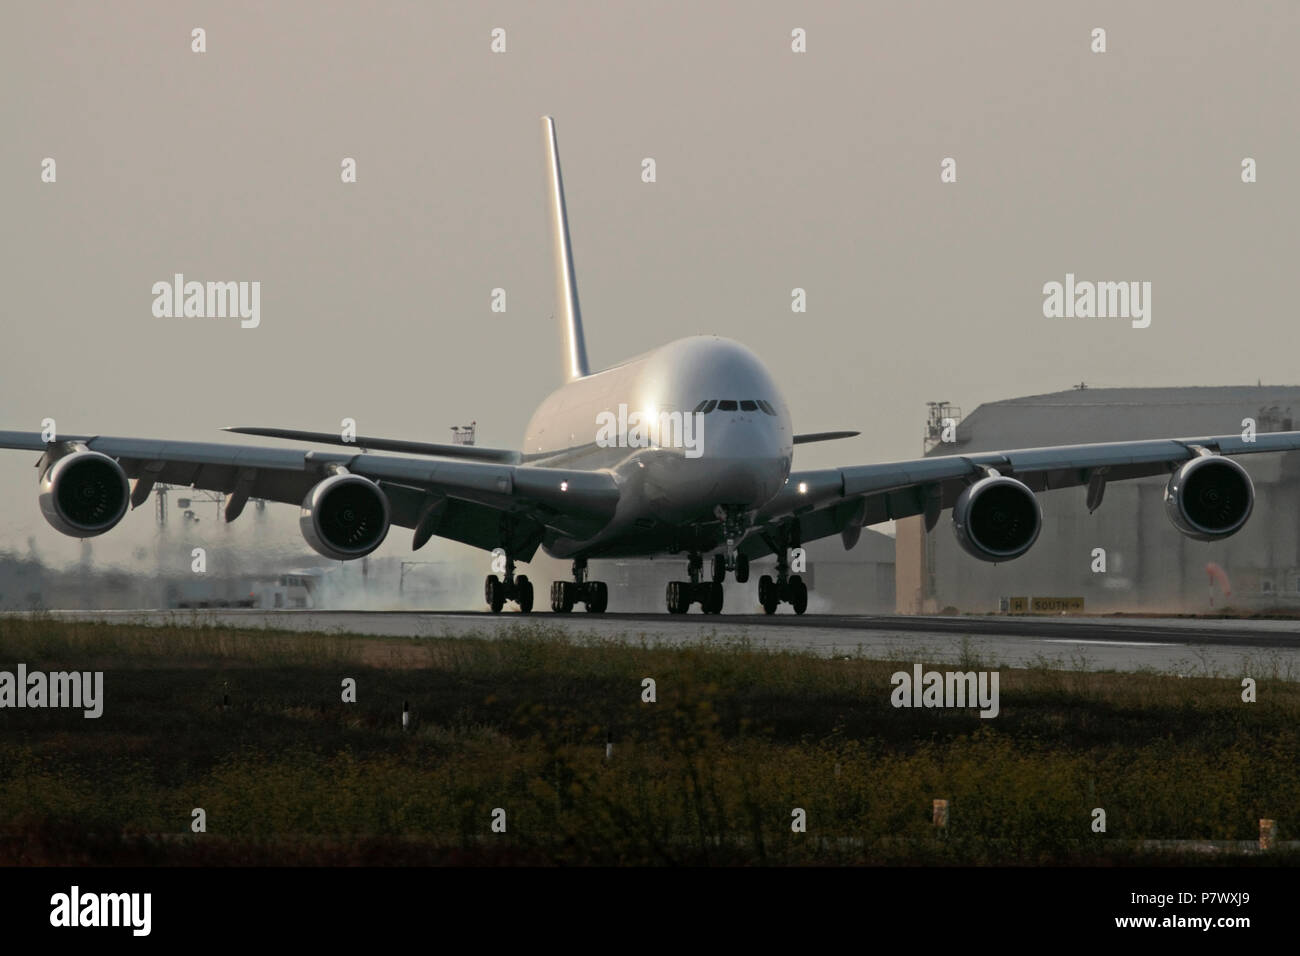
<point>1189,647</point>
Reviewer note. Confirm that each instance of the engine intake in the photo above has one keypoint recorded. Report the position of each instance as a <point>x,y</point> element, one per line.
<point>997,518</point>
<point>84,494</point>
<point>1209,498</point>
<point>345,517</point>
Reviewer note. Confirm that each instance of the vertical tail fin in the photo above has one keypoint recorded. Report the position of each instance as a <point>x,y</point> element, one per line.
<point>566,285</point>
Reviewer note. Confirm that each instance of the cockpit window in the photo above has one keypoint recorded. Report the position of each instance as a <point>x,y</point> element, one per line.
<point>731,405</point>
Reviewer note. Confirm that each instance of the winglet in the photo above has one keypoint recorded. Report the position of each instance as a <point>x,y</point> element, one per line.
<point>566,285</point>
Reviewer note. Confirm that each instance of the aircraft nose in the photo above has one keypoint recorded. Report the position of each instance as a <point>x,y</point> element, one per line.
<point>742,462</point>
<point>726,438</point>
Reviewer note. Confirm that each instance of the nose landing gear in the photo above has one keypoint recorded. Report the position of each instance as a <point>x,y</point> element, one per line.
<point>565,594</point>
<point>734,522</point>
<point>739,564</point>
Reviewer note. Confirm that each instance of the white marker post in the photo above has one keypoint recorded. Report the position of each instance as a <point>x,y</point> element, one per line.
<point>1267,834</point>
<point>941,815</point>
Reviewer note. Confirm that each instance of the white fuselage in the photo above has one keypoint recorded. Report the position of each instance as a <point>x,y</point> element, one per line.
<point>740,456</point>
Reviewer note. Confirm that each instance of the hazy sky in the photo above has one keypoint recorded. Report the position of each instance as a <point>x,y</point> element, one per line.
<point>774,170</point>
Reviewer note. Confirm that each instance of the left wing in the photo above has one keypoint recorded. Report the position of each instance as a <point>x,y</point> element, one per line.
<point>816,504</point>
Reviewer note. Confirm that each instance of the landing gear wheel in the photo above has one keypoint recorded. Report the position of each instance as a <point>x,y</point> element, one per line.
<point>767,594</point>
<point>676,604</point>
<point>742,569</point>
<point>713,602</point>
<point>597,597</point>
<point>719,569</point>
<point>524,594</point>
<point>798,594</point>
<point>561,597</point>
<point>494,592</point>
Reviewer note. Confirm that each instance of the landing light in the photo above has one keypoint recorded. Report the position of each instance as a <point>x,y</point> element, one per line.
<point>803,487</point>
<point>564,486</point>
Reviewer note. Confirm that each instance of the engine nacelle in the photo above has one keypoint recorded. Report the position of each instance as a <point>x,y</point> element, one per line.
<point>84,493</point>
<point>1209,498</point>
<point>345,517</point>
<point>997,518</point>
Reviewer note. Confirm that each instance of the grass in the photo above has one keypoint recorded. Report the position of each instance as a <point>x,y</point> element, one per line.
<point>709,773</point>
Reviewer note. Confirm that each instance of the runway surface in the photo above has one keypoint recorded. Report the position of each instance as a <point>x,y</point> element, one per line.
<point>1189,647</point>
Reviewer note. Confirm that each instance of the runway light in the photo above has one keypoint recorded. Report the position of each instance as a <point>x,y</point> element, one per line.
<point>564,486</point>
<point>803,487</point>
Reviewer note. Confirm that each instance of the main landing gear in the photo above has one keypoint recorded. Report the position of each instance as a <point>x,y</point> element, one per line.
<point>788,588</point>
<point>518,589</point>
<point>565,594</point>
<point>682,594</point>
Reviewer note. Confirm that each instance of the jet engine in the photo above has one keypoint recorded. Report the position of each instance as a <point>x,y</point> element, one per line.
<point>1209,498</point>
<point>84,494</point>
<point>997,518</point>
<point>345,517</point>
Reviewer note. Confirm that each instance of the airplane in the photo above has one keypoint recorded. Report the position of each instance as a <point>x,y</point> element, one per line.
<point>722,484</point>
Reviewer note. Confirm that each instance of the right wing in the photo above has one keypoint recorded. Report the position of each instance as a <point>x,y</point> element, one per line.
<point>487,505</point>
<point>364,443</point>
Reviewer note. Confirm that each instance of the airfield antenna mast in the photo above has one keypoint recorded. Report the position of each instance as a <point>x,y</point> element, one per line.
<point>940,425</point>
<point>463,434</point>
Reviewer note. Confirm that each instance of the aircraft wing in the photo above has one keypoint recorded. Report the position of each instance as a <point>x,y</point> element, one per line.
<point>469,501</point>
<point>843,500</point>
<point>363,443</point>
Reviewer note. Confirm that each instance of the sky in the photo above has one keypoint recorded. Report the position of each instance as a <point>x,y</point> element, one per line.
<point>774,170</point>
